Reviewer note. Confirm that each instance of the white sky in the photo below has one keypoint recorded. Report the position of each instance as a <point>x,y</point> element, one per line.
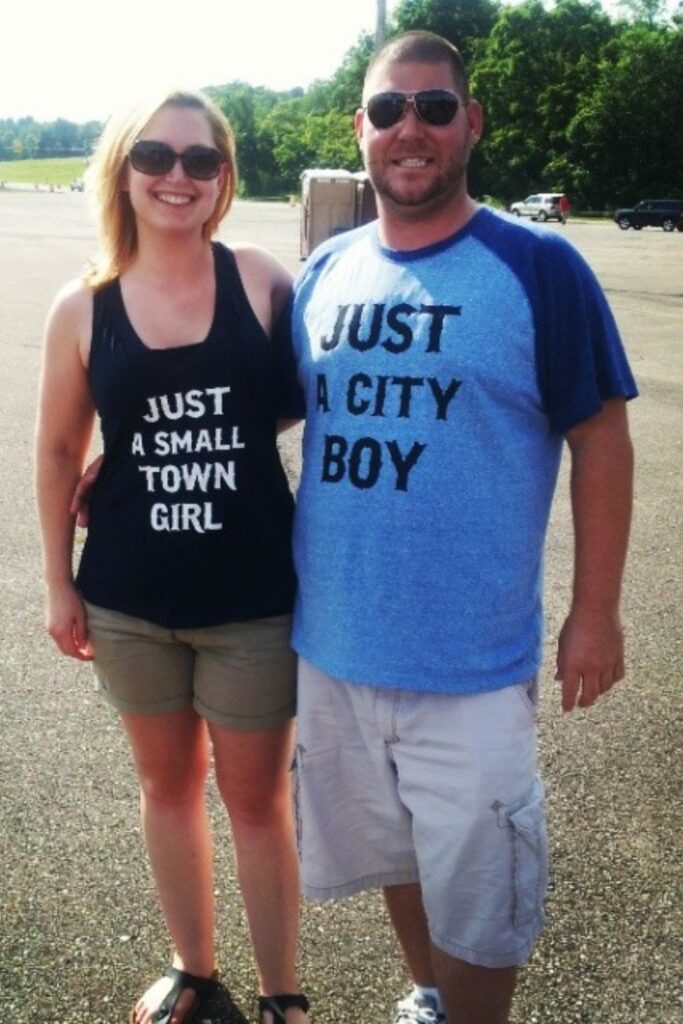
<point>82,59</point>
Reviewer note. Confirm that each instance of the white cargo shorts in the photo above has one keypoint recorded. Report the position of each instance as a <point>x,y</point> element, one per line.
<point>397,787</point>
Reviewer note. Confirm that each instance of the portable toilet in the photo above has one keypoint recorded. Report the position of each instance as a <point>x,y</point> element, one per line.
<point>366,204</point>
<point>328,205</point>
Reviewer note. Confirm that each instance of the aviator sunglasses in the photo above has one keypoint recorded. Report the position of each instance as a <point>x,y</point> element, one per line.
<point>200,162</point>
<point>435,107</point>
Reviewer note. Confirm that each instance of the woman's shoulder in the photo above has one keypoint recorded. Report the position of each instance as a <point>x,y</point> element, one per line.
<point>255,261</point>
<point>73,299</point>
<point>266,282</point>
<point>70,315</point>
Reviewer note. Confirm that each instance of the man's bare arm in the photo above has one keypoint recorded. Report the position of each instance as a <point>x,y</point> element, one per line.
<point>590,657</point>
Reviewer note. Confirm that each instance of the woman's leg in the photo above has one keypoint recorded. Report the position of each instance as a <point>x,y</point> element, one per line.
<point>252,772</point>
<point>171,757</point>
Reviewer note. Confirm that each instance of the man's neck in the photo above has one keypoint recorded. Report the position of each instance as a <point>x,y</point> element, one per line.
<point>405,233</point>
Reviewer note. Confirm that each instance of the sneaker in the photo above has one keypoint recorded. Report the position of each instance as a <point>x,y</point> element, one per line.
<point>416,1009</point>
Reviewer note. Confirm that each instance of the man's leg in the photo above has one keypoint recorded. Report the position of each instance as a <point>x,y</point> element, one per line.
<point>406,911</point>
<point>466,771</point>
<point>470,994</point>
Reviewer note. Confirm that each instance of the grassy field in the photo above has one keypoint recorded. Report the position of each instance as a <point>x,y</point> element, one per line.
<point>43,172</point>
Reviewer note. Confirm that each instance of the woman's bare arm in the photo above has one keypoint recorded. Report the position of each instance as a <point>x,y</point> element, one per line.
<point>64,429</point>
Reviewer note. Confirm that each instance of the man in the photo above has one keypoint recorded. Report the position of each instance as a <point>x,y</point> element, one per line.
<point>565,207</point>
<point>446,352</point>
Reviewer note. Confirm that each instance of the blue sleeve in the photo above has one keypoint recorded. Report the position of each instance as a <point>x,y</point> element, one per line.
<point>580,357</point>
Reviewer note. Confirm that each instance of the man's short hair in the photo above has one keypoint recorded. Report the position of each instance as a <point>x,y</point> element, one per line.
<point>421,48</point>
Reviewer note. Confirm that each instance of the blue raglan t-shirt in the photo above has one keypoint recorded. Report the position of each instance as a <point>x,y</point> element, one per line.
<point>439,384</point>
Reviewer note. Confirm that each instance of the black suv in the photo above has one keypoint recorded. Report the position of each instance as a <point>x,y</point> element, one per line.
<point>652,213</point>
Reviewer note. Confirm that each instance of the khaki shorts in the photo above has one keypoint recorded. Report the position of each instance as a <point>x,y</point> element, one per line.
<point>241,675</point>
<point>396,787</point>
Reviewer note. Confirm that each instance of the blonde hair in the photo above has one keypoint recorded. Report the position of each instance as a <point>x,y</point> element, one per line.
<point>107,170</point>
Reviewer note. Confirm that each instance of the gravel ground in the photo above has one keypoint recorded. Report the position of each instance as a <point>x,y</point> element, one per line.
<point>80,933</point>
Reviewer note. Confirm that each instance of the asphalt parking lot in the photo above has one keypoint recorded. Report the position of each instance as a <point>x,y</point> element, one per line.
<point>80,934</point>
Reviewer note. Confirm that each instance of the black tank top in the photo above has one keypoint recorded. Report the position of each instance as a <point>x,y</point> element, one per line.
<point>191,515</point>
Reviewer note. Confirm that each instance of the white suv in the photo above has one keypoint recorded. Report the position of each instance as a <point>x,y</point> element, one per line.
<point>542,206</point>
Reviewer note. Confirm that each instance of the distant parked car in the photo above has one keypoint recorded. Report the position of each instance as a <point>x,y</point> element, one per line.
<point>78,185</point>
<point>652,213</point>
<point>541,206</point>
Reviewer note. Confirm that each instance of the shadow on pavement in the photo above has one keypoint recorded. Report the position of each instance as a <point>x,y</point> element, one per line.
<point>220,1008</point>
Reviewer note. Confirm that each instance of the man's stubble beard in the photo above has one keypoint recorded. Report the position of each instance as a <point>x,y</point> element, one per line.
<point>446,187</point>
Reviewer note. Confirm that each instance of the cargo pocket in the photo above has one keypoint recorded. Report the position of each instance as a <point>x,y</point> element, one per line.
<point>296,793</point>
<point>530,857</point>
<point>528,695</point>
<point>320,843</point>
<point>329,783</point>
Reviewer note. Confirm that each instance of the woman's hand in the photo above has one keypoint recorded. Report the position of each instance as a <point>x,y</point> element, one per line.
<point>67,623</point>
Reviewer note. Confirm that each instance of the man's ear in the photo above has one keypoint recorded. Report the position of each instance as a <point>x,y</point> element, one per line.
<point>475,117</point>
<point>358,124</point>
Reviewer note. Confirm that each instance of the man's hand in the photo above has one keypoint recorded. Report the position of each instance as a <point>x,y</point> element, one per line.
<point>590,657</point>
<point>79,506</point>
<point>66,622</point>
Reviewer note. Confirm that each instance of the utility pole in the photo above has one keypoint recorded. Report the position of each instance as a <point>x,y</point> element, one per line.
<point>381,23</point>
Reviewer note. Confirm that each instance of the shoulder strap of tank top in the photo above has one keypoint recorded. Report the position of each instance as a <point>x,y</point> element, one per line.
<point>104,309</point>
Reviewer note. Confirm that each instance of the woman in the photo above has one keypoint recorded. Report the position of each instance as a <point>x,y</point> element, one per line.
<point>185,585</point>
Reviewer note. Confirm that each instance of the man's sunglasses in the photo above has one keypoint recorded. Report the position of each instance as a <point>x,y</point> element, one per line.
<point>200,162</point>
<point>435,107</point>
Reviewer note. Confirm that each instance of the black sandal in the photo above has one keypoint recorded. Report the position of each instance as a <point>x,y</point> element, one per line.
<point>181,980</point>
<point>278,1004</point>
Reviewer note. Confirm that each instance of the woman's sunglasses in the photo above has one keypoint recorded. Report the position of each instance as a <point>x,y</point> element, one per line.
<point>200,162</point>
<point>435,107</point>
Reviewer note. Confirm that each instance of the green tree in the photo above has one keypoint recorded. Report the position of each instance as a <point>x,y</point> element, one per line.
<point>301,140</point>
<point>626,139</point>
<point>246,106</point>
<point>7,136</point>
<point>59,138</point>
<point>464,23</point>
<point>27,139</point>
<point>343,90</point>
<point>88,135</point>
<point>531,75</point>
<point>573,101</point>
<point>650,12</point>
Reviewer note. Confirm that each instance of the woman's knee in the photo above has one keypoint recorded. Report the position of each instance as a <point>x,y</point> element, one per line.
<point>252,774</point>
<point>257,805</point>
<point>171,755</point>
<point>173,786</point>
<point>173,776</point>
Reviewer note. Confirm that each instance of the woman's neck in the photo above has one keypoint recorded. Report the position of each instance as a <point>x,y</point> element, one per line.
<point>177,258</point>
